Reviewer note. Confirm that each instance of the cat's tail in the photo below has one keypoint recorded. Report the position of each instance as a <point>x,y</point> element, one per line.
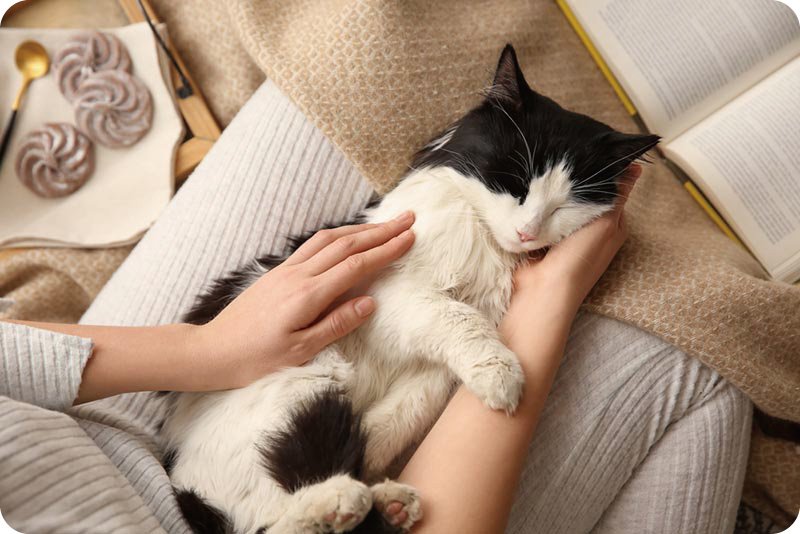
<point>202,517</point>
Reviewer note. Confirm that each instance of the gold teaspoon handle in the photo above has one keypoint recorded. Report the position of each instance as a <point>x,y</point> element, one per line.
<point>25,82</point>
<point>7,134</point>
<point>12,120</point>
<point>10,127</point>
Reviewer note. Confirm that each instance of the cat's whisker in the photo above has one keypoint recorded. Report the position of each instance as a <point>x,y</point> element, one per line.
<point>522,135</point>
<point>623,158</point>
<point>518,162</point>
<point>465,162</point>
<point>519,178</point>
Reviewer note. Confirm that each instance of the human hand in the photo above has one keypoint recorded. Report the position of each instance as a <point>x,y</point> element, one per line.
<point>580,259</point>
<point>561,279</point>
<point>283,319</point>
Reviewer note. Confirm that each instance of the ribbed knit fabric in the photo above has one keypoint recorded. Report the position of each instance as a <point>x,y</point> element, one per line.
<point>635,437</point>
<point>41,367</point>
<point>628,411</point>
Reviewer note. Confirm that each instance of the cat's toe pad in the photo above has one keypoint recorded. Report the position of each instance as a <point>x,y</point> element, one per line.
<point>341,503</point>
<point>498,383</point>
<point>398,503</point>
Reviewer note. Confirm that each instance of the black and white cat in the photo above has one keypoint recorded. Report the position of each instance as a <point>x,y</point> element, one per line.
<point>305,450</point>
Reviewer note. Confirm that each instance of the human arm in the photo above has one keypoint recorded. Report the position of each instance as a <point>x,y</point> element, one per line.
<point>467,468</point>
<point>283,319</point>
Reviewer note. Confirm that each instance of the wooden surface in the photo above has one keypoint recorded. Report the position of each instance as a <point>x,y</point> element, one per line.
<point>194,108</point>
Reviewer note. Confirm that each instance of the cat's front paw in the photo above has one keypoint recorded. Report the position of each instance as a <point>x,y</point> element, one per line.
<point>497,380</point>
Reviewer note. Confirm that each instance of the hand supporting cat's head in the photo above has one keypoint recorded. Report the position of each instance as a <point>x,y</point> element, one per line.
<point>545,171</point>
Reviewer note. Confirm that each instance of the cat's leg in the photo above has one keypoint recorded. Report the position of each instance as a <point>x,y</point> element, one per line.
<point>335,505</point>
<point>449,331</point>
<point>398,503</point>
<point>403,415</point>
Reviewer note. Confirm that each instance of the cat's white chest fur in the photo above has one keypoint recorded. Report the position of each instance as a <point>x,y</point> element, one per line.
<point>454,251</point>
<point>436,321</point>
<point>437,311</point>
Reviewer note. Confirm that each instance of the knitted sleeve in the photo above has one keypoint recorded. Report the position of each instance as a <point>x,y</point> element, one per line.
<point>41,367</point>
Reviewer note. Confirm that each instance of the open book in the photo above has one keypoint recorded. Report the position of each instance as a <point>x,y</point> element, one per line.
<point>719,80</point>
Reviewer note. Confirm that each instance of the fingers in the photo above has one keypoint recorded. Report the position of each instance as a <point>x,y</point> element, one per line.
<point>357,267</point>
<point>626,185</point>
<point>346,246</point>
<point>341,321</point>
<point>322,239</point>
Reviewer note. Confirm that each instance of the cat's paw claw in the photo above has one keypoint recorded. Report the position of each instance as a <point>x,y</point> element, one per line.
<point>498,382</point>
<point>398,503</point>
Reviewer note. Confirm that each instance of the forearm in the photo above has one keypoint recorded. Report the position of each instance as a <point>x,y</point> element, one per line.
<point>127,359</point>
<point>468,466</point>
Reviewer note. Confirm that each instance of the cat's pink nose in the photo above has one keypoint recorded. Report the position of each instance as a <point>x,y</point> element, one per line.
<point>526,237</point>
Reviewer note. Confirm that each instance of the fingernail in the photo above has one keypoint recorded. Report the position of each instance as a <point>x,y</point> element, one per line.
<point>365,306</point>
<point>406,234</point>
<point>404,217</point>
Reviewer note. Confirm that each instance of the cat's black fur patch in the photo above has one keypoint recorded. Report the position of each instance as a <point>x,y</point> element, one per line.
<point>223,290</point>
<point>516,134</point>
<point>168,460</point>
<point>201,516</point>
<point>323,438</point>
<point>374,523</point>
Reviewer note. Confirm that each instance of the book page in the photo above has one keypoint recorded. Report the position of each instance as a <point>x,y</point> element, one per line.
<point>746,160</point>
<point>681,60</point>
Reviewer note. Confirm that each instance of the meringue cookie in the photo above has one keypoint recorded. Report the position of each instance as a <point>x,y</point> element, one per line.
<point>113,108</point>
<point>55,160</point>
<point>86,54</point>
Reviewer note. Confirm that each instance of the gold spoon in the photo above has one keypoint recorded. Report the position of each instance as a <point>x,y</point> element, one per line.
<point>32,62</point>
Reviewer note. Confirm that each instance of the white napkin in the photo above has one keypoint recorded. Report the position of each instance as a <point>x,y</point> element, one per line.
<point>129,187</point>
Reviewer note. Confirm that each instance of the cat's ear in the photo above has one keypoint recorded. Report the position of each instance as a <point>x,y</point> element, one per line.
<point>509,84</point>
<point>630,147</point>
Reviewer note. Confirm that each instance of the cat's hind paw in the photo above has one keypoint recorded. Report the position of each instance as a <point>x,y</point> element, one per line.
<point>336,505</point>
<point>398,503</point>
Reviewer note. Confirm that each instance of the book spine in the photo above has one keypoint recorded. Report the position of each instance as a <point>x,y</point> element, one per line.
<point>626,101</point>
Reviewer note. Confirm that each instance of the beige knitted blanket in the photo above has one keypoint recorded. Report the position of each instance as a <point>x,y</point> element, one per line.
<point>380,77</point>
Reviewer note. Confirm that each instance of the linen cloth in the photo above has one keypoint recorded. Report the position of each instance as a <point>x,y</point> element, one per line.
<point>128,188</point>
<point>627,409</point>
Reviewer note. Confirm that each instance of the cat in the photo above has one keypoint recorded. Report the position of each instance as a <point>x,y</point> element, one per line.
<point>306,449</point>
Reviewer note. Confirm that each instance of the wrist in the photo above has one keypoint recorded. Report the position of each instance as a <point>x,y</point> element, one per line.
<point>197,353</point>
<point>539,309</point>
<point>552,295</point>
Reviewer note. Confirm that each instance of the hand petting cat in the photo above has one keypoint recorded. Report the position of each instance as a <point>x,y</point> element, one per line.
<point>282,319</point>
<point>571,268</point>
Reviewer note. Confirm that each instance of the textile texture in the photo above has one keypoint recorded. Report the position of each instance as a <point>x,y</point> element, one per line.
<point>627,410</point>
<point>380,78</point>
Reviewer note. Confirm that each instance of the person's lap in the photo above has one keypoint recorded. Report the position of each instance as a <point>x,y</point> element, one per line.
<point>634,433</point>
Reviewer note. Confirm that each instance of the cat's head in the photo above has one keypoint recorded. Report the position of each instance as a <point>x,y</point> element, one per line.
<point>545,171</point>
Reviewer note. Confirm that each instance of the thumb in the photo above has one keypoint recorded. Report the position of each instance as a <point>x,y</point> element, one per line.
<point>341,321</point>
